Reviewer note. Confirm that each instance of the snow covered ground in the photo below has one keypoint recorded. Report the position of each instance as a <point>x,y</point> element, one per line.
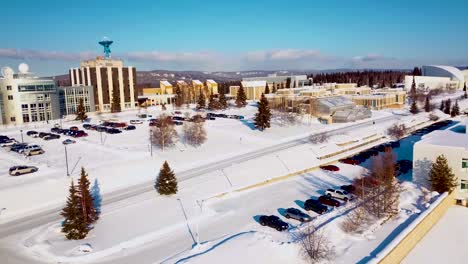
<point>446,242</point>
<point>148,228</point>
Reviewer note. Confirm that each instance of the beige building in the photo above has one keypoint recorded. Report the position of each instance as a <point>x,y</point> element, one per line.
<point>454,146</point>
<point>157,96</point>
<point>211,87</point>
<point>107,75</point>
<point>253,89</point>
<point>381,99</point>
<point>166,87</point>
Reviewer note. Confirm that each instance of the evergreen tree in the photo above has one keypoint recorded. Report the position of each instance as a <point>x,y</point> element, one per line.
<point>166,183</point>
<point>74,226</point>
<point>414,108</point>
<point>288,82</point>
<point>455,110</point>
<point>442,105</point>
<point>222,101</point>
<point>263,116</point>
<point>448,106</point>
<point>441,176</point>
<point>97,198</point>
<point>201,104</point>
<point>115,104</point>
<point>427,105</point>
<point>81,111</point>
<point>87,202</point>
<point>241,99</point>
<point>212,103</point>
<point>179,100</point>
<point>273,90</point>
<point>412,94</point>
<point>464,89</point>
<point>267,89</point>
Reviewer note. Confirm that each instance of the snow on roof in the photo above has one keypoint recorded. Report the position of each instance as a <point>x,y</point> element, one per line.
<point>197,82</point>
<point>166,83</point>
<point>452,70</point>
<point>253,83</point>
<point>181,82</point>
<point>446,138</point>
<point>211,81</point>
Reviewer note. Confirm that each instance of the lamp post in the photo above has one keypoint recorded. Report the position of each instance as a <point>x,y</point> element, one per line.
<point>151,142</point>
<point>22,141</point>
<point>227,178</point>
<point>284,164</point>
<point>200,204</point>
<point>66,159</point>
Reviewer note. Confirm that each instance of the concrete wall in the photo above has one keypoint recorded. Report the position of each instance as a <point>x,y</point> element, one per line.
<point>424,222</point>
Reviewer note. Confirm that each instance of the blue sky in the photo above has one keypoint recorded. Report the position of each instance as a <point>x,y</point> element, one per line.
<point>236,35</point>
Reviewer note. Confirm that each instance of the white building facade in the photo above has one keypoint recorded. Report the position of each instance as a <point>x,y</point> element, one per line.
<point>70,97</point>
<point>454,146</point>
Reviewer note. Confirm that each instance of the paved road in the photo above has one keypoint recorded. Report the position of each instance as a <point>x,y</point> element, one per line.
<point>52,215</point>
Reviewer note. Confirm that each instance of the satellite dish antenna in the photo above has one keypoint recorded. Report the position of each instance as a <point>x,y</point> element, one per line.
<point>7,72</point>
<point>23,68</point>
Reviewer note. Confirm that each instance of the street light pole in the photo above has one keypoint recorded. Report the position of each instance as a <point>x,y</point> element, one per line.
<point>284,164</point>
<point>66,159</point>
<point>200,204</point>
<point>227,178</point>
<point>151,142</point>
<point>22,141</point>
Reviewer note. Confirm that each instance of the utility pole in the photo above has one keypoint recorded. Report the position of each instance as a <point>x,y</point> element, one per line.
<point>66,159</point>
<point>22,141</point>
<point>151,142</point>
<point>200,204</point>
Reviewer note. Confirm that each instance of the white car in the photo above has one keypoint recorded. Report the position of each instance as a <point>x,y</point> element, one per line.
<point>9,143</point>
<point>136,122</point>
<point>339,194</point>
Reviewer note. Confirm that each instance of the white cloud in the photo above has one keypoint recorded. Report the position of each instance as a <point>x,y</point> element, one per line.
<point>25,54</point>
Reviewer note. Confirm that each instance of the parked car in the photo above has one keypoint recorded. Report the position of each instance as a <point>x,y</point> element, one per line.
<point>34,152</point>
<point>74,128</point>
<point>178,123</point>
<point>222,115</point>
<point>56,130</point>
<point>210,118</point>
<point>330,168</point>
<point>68,141</point>
<point>87,126</point>
<point>316,206</point>
<point>43,134</point>
<point>8,143</point>
<point>179,118</point>
<point>64,131</point>
<point>273,221</point>
<point>327,200</point>
<point>80,133</point>
<point>136,122</point>
<point>26,150</point>
<point>348,188</point>
<point>101,129</point>
<point>297,214</point>
<point>178,112</point>
<point>3,138</point>
<point>51,136</point>
<point>32,133</point>
<point>113,131</point>
<point>19,170</point>
<point>339,194</point>
<point>350,161</point>
<point>131,127</point>
<point>18,147</point>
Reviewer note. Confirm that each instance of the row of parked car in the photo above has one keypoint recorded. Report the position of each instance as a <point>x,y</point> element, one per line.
<point>214,115</point>
<point>12,144</point>
<point>109,127</point>
<point>319,206</point>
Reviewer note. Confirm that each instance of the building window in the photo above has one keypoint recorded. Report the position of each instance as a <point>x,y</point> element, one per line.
<point>464,163</point>
<point>24,107</point>
<point>464,185</point>
<point>12,119</point>
<point>10,97</point>
<point>8,87</point>
<point>25,118</point>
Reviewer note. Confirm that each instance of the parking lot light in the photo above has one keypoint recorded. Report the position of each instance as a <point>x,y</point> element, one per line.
<point>22,141</point>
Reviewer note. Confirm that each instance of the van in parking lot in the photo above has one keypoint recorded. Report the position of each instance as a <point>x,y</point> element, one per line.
<point>26,151</point>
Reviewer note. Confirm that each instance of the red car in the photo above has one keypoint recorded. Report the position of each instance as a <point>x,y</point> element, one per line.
<point>80,133</point>
<point>328,201</point>
<point>330,168</point>
<point>349,161</point>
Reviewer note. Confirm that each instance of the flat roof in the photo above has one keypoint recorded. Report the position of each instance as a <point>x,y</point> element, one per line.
<point>446,138</point>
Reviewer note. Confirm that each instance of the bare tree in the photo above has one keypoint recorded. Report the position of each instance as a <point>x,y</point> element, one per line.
<point>163,134</point>
<point>319,138</point>
<point>194,133</point>
<point>315,245</point>
<point>397,131</point>
<point>286,118</point>
<point>355,220</point>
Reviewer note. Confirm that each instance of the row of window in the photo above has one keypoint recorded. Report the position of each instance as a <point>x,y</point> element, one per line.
<point>34,88</point>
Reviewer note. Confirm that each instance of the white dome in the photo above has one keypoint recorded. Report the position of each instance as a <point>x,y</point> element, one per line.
<point>23,68</point>
<point>7,72</point>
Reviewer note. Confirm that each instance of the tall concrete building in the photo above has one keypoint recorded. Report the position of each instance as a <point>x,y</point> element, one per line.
<point>107,75</point>
<point>26,98</point>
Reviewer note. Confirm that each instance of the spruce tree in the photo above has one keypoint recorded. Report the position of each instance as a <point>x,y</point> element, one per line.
<point>222,101</point>
<point>414,108</point>
<point>427,105</point>
<point>81,111</point>
<point>412,94</point>
<point>263,116</point>
<point>74,226</point>
<point>115,104</point>
<point>273,90</point>
<point>241,99</point>
<point>441,176</point>
<point>97,198</point>
<point>448,106</point>
<point>455,110</point>
<point>179,100</point>
<point>442,105</point>
<point>267,89</point>
<point>87,203</point>
<point>212,103</point>
<point>464,90</point>
<point>166,183</point>
<point>201,104</point>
